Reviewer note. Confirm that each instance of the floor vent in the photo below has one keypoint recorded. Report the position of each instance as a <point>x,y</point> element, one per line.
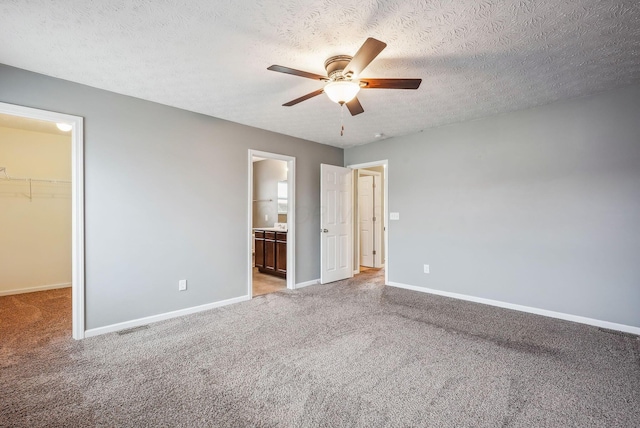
<point>133,330</point>
<point>619,333</point>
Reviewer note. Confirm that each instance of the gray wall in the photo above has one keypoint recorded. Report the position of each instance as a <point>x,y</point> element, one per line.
<point>166,198</point>
<point>539,207</point>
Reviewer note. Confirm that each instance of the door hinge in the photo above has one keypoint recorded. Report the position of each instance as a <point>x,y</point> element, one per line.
<point>374,252</point>
<point>374,219</point>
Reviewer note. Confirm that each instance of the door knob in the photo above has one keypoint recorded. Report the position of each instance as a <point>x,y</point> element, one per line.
<point>324,230</point>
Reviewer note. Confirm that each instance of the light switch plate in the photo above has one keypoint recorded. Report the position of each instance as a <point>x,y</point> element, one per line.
<point>182,285</point>
<point>394,216</point>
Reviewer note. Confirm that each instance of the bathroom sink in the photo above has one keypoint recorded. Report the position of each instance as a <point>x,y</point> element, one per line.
<point>278,227</point>
<point>271,229</point>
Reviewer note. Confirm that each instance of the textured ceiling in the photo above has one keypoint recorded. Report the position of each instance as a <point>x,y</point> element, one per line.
<point>476,57</point>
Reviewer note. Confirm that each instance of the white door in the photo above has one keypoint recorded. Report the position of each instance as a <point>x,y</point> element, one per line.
<point>336,228</point>
<point>365,211</point>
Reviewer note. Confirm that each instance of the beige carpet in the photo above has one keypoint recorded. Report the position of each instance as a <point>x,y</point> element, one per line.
<point>352,353</point>
<point>31,321</point>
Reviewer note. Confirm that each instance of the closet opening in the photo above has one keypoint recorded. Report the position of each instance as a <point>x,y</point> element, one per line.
<point>42,259</point>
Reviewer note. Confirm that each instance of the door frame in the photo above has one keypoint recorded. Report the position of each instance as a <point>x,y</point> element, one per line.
<point>361,173</point>
<point>77,205</point>
<point>291,223</point>
<point>385,197</point>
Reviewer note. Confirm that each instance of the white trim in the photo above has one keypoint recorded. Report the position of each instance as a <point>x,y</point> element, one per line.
<point>34,289</point>
<point>291,222</point>
<point>385,164</point>
<point>77,204</point>
<point>291,216</point>
<point>250,225</point>
<point>521,308</point>
<point>307,283</point>
<point>161,317</point>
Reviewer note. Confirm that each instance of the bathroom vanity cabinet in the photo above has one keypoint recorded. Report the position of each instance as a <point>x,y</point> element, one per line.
<point>271,251</point>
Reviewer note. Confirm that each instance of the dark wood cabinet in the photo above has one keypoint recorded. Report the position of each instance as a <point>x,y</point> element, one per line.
<point>281,253</point>
<point>259,249</point>
<point>271,252</point>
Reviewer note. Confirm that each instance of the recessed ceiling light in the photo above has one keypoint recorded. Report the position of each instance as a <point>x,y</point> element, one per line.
<point>64,127</point>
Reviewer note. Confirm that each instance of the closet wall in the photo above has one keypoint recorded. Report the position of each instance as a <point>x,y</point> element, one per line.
<point>35,233</point>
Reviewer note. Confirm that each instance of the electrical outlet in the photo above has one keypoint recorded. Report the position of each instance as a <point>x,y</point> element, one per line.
<point>426,268</point>
<point>394,216</point>
<point>182,285</point>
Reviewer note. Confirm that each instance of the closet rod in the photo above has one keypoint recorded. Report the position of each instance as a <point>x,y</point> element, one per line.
<point>37,180</point>
<point>29,180</point>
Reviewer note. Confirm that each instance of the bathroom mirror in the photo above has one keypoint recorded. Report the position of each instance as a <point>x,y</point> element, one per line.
<point>282,197</point>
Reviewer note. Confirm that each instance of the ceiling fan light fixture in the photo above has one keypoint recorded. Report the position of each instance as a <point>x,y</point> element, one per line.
<point>342,79</point>
<point>342,91</point>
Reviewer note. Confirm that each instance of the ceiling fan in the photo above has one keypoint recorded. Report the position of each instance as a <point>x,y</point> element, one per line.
<point>342,79</point>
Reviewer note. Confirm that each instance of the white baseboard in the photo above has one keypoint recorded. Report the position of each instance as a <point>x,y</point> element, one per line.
<point>307,283</point>
<point>34,289</point>
<point>161,317</point>
<point>521,308</point>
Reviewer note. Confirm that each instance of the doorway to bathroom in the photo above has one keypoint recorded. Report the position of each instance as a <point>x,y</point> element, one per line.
<point>271,223</point>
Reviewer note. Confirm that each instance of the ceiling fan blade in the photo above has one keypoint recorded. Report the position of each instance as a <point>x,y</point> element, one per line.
<point>390,83</point>
<point>303,98</point>
<point>367,53</point>
<point>355,107</point>
<point>287,70</point>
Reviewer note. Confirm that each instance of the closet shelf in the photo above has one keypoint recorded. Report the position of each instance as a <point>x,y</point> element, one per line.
<point>6,177</point>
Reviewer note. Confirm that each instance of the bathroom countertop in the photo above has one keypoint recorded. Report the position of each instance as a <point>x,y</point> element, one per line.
<point>271,229</point>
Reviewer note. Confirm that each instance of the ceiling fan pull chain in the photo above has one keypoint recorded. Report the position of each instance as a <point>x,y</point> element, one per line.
<point>342,119</point>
